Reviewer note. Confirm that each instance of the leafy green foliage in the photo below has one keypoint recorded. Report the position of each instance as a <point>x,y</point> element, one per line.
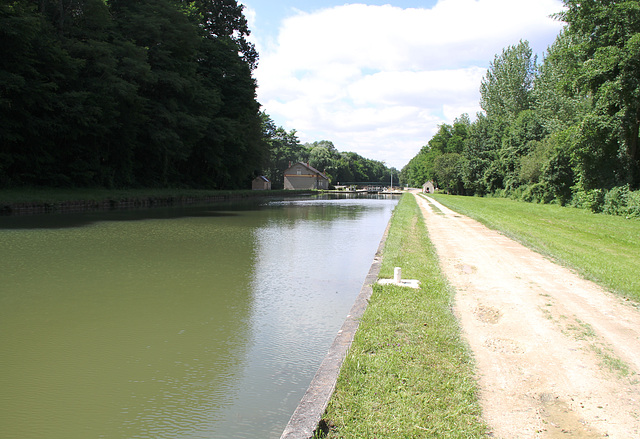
<point>449,169</point>
<point>450,139</point>
<point>122,93</point>
<point>223,19</point>
<point>506,89</point>
<point>565,131</point>
<point>284,149</point>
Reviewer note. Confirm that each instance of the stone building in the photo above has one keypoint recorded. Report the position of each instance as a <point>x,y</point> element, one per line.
<point>261,183</point>
<point>301,176</point>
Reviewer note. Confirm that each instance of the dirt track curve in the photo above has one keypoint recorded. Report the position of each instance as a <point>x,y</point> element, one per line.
<point>556,356</point>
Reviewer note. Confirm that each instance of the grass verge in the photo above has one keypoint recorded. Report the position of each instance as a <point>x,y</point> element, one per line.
<point>601,248</point>
<point>408,374</point>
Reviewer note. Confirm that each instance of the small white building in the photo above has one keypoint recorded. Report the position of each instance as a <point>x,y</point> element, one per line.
<point>428,188</point>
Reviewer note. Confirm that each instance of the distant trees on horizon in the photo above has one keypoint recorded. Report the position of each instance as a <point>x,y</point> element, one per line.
<point>341,167</point>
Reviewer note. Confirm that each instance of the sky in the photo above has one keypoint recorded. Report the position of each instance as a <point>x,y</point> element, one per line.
<point>378,78</point>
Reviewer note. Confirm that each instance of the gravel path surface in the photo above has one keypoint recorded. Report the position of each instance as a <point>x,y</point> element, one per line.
<point>556,356</point>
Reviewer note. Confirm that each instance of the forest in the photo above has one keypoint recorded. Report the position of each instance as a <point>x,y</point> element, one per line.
<point>144,93</point>
<point>564,130</point>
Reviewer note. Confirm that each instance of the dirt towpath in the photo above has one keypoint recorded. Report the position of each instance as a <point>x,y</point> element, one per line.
<point>556,356</point>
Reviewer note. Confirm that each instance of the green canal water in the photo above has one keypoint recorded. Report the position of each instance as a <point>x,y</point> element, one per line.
<point>200,322</point>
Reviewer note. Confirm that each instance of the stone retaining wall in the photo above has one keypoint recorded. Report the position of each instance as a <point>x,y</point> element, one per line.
<point>33,208</point>
<point>85,205</point>
<point>307,418</point>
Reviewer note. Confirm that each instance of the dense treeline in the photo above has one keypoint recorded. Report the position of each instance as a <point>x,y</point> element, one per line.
<point>564,131</point>
<point>142,93</point>
<point>341,167</point>
<point>123,93</point>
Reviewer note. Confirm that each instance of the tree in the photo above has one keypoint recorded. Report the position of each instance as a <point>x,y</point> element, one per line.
<point>558,171</point>
<point>459,134</point>
<point>284,149</point>
<point>440,139</point>
<point>608,36</point>
<point>31,62</point>
<point>170,123</point>
<point>234,133</point>
<point>224,19</point>
<point>557,98</point>
<point>97,149</point>
<point>520,139</point>
<point>560,130</point>
<point>449,139</point>
<point>322,156</point>
<point>127,93</point>
<point>449,171</point>
<point>420,168</point>
<point>483,173</point>
<point>505,90</point>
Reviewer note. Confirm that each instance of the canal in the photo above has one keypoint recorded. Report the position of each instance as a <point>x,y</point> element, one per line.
<point>193,322</point>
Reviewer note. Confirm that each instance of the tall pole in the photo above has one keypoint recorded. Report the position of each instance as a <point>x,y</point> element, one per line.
<point>392,181</point>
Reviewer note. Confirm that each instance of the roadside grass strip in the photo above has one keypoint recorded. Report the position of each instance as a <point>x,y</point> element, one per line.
<point>601,248</point>
<point>408,374</point>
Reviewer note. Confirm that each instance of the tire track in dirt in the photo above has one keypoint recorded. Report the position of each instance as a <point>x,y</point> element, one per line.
<point>556,356</point>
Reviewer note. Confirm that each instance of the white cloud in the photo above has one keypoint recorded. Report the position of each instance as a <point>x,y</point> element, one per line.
<point>378,80</point>
<point>423,88</point>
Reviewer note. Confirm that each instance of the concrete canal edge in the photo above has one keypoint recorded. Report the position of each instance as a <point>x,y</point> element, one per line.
<point>307,416</point>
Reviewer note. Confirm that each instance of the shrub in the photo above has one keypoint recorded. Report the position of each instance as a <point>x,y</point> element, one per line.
<point>557,172</point>
<point>532,165</point>
<point>592,199</point>
<point>498,193</point>
<point>517,193</point>
<point>615,201</point>
<point>538,193</point>
<point>633,204</point>
<point>622,201</point>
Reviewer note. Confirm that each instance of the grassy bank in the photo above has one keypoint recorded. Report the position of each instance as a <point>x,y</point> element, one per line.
<point>602,248</point>
<point>47,195</point>
<point>37,200</point>
<point>407,374</point>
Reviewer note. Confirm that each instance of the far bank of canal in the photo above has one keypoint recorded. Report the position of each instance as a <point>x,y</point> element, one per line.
<point>193,322</point>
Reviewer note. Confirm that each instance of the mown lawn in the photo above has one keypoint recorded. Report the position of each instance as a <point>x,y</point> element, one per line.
<point>408,374</point>
<point>602,248</point>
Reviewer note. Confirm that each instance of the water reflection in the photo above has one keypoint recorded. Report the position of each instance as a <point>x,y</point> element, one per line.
<point>311,260</point>
<point>122,329</point>
<point>196,323</point>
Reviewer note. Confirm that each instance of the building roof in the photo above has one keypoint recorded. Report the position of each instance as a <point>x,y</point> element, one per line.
<point>262,177</point>
<point>311,168</point>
